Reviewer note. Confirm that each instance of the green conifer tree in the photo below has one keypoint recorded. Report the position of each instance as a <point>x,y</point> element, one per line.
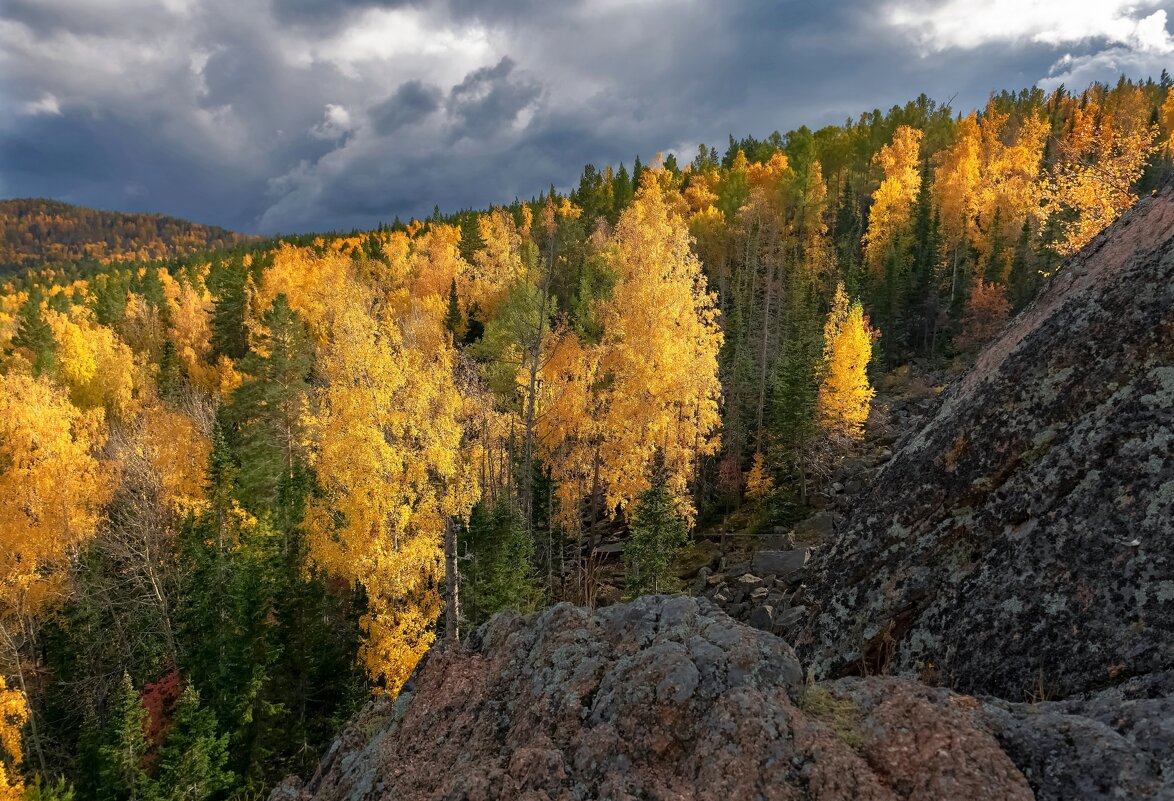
<point>191,763</point>
<point>123,755</point>
<point>658,533</point>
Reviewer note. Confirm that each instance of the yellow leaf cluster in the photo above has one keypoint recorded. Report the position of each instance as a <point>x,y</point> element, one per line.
<point>190,309</point>
<point>650,385</point>
<point>14,713</point>
<point>1101,157</point>
<point>52,489</point>
<point>845,393</point>
<point>989,174</point>
<point>385,436</point>
<point>759,482</point>
<point>497,266</point>
<point>178,451</point>
<point>94,364</point>
<point>893,200</point>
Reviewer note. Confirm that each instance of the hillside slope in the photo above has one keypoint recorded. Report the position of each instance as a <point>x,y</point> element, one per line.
<point>1019,545</point>
<point>35,232</point>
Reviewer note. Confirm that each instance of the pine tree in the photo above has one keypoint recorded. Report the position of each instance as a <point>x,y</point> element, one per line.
<point>1024,279</point>
<point>124,753</point>
<point>230,337</point>
<point>658,533</point>
<point>499,571</point>
<point>34,333</point>
<point>453,318</point>
<point>265,413</point>
<point>191,763</point>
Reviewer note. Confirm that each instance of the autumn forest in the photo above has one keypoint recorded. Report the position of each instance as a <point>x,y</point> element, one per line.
<point>245,484</point>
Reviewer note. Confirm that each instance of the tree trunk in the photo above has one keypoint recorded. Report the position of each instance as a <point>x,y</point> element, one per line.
<point>452,584</point>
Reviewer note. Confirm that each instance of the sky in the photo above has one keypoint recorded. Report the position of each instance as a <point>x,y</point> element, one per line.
<point>270,116</point>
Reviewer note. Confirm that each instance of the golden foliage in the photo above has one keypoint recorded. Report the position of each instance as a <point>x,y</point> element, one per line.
<point>94,364</point>
<point>190,309</point>
<point>651,383</point>
<point>844,392</point>
<point>1167,116</point>
<point>759,482</point>
<point>989,176</point>
<point>385,437</point>
<point>308,281</point>
<point>14,713</point>
<point>498,265</point>
<point>178,450</point>
<point>52,489</point>
<point>48,232</point>
<point>1101,157</point>
<point>893,200</point>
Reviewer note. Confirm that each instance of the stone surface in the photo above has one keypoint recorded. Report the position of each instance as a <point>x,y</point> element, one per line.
<point>818,527</point>
<point>1019,544</point>
<point>778,563</point>
<point>662,698</point>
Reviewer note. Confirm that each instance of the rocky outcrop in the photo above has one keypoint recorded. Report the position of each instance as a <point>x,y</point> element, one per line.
<point>662,698</point>
<point>1019,545</point>
<point>669,698</point>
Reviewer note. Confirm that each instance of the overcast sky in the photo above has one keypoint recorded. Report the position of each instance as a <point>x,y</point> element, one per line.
<point>295,115</point>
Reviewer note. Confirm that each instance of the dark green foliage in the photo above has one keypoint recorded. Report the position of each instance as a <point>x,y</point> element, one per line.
<point>124,753</point>
<point>170,379</point>
<point>34,334</point>
<point>186,764</point>
<point>922,299</point>
<point>453,317</point>
<point>229,336</point>
<point>191,763</point>
<point>596,283</point>
<point>264,413</point>
<point>1025,278</point>
<point>497,561</point>
<point>658,534</point>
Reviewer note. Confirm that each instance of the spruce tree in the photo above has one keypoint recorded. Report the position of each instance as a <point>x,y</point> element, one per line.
<point>123,755</point>
<point>453,318</point>
<point>499,573</point>
<point>191,763</point>
<point>34,334</point>
<point>658,533</point>
<point>229,336</point>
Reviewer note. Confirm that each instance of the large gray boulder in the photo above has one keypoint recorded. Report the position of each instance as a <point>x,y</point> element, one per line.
<point>662,698</point>
<point>1020,545</point>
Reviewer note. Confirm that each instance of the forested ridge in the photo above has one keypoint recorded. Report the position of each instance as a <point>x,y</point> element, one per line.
<point>42,233</point>
<point>239,492</point>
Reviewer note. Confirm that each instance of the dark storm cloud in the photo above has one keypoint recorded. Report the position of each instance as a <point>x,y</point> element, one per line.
<point>284,115</point>
<point>412,101</point>
<point>488,99</point>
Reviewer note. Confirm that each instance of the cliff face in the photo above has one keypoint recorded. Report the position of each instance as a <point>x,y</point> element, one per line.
<point>1020,544</point>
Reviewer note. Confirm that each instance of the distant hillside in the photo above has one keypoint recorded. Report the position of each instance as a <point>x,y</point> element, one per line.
<point>35,232</point>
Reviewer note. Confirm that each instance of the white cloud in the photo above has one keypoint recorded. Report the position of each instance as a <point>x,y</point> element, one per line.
<point>1109,37</point>
<point>335,125</point>
<point>971,23</point>
<point>379,36</point>
<point>46,105</point>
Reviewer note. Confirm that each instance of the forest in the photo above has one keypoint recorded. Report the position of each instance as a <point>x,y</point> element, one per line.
<point>242,490</point>
<point>42,233</point>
